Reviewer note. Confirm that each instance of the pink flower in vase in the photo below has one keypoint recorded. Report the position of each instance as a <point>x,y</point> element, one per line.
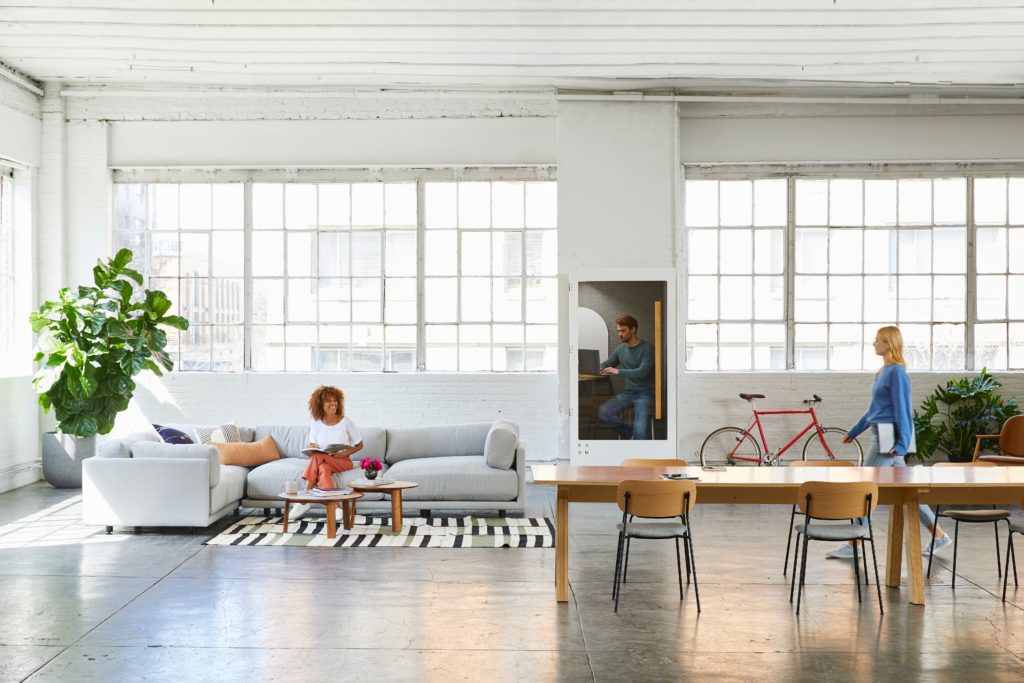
<point>371,466</point>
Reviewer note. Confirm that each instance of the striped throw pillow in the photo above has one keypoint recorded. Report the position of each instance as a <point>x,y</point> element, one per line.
<point>225,433</point>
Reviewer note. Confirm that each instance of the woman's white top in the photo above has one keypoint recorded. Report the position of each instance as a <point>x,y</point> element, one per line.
<point>344,432</point>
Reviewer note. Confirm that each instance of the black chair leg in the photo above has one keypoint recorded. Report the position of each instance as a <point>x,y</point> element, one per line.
<point>878,584</point>
<point>625,564</point>
<point>956,544</point>
<point>679,569</point>
<point>693,566</point>
<point>796,567</point>
<point>1009,554</point>
<point>686,559</point>
<point>618,565</point>
<point>803,575</point>
<point>618,584</point>
<point>864,557</point>
<point>856,571</point>
<point>789,541</point>
<point>931,548</point>
<point>999,559</point>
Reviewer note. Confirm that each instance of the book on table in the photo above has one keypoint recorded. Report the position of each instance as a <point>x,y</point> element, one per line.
<point>329,449</point>
<point>379,481</point>
<point>325,493</point>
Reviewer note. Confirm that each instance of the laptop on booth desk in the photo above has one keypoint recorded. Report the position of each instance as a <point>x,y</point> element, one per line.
<point>589,362</point>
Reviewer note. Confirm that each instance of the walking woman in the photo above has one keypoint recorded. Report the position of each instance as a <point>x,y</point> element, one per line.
<point>890,404</point>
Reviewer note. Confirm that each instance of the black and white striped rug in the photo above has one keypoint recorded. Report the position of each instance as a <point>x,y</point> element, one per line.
<point>375,532</point>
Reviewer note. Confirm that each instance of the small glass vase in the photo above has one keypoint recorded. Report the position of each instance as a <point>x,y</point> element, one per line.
<point>370,474</point>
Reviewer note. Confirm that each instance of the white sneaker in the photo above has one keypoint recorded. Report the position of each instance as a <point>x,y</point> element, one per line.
<point>940,543</point>
<point>297,511</point>
<point>843,552</point>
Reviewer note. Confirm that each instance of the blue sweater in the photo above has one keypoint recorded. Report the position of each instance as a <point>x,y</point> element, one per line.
<point>890,402</point>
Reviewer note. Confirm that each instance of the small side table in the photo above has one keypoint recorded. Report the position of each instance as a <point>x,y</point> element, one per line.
<point>348,508</point>
<point>394,490</point>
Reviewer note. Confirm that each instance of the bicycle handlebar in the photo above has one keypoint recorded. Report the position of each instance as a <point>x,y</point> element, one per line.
<point>815,399</point>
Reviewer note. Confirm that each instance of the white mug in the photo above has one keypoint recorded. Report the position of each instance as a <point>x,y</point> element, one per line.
<point>291,487</point>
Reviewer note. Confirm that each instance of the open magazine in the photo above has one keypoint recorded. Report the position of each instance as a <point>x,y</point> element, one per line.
<point>329,449</point>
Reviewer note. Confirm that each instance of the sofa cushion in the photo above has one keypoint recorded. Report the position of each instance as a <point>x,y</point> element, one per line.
<point>247,454</point>
<point>266,482</point>
<point>290,439</point>
<point>500,445</point>
<point>149,449</point>
<point>121,446</point>
<point>227,432</point>
<point>229,489</point>
<point>466,477</point>
<point>172,435</point>
<point>433,442</point>
<point>190,428</point>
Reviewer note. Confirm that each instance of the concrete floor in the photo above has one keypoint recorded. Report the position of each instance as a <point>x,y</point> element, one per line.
<point>78,605</point>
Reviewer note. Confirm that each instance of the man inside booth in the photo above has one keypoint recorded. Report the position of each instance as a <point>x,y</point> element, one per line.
<point>633,360</point>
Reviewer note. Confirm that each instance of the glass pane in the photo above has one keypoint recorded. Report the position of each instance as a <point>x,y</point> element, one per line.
<point>163,203</point>
<point>990,346</point>
<point>811,202</point>
<point>990,249</point>
<point>508,207</point>
<point>736,202</point>
<point>366,301</point>
<point>227,301</point>
<point>367,353</point>
<point>301,253</point>
<point>300,205</point>
<point>1015,301</point>
<point>195,300</point>
<point>1016,250</point>
<point>400,301</point>
<point>703,251</point>
<point>333,254</point>
<point>476,298</point>
<point>301,300</point>
<point>268,348</point>
<point>508,299</point>
<point>991,297</point>
<point>196,206</point>
<point>227,349</point>
<point>768,298</point>
<point>880,299</point>
<point>267,249</point>
<point>441,253</point>
<point>366,254</point>
<point>268,301</point>
<point>879,251</point>
<point>810,347</point>
<point>770,202</point>
<point>542,300</point>
<point>195,349</point>
<point>367,205</point>
<point>769,248</point>
<point>811,298</point>
<point>844,251</point>
<point>949,250</point>
<point>195,254</point>
<point>769,347</point>
<point>228,253</point>
<point>300,341</point>
<point>846,202</point>
<point>267,206</point>
<point>1016,192</point>
<point>880,202</point>
<point>734,352</point>
<point>442,351</point>
<point>948,347</point>
<point>542,205</point>
<point>541,252</point>
<point>130,206</point>
<point>508,253</point>
<point>915,298</point>
<point>441,299</point>
<point>845,347</point>
<point>474,205</point>
<point>474,347</point>
<point>400,351</point>
<point>401,254</point>
<point>335,297</point>
<point>915,201</point>
<point>917,346</point>
<point>950,298</point>
<point>400,205</point>
<point>476,253</point>
<point>950,201</point>
<point>1016,347</point>
<point>701,203</point>
<point>811,250</point>
<point>736,251</point>
<point>164,254</point>
<point>915,251</point>
<point>335,206</point>
<point>990,201</point>
<point>845,301</point>
<point>702,298</point>
<point>441,205</point>
<point>702,347</point>
<point>737,298</point>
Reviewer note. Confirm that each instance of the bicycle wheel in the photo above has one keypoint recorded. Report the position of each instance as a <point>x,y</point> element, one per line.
<point>730,446</point>
<point>851,452</point>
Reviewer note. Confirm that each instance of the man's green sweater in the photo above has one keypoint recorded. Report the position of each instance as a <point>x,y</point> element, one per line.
<point>635,364</point>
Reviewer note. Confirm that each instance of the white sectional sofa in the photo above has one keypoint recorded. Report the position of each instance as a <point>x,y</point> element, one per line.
<point>139,481</point>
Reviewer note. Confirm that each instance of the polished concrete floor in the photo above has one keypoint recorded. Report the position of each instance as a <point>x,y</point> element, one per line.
<point>78,605</point>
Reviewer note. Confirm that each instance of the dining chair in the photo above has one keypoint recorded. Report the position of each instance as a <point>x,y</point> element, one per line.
<point>792,513</point>
<point>968,517</point>
<point>834,501</point>
<point>665,500</point>
<point>1015,528</point>
<point>1011,443</point>
<point>646,462</point>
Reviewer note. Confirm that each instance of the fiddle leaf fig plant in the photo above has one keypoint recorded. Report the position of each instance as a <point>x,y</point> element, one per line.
<point>952,415</point>
<point>93,340</point>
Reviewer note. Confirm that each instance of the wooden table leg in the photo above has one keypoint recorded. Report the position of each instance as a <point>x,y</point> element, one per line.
<point>332,524</point>
<point>894,549</point>
<point>286,506</point>
<point>562,546</point>
<point>396,511</point>
<point>915,568</point>
<point>348,513</point>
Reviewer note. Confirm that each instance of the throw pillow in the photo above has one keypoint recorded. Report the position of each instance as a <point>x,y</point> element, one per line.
<point>247,454</point>
<point>226,433</point>
<point>173,436</point>
<point>500,446</point>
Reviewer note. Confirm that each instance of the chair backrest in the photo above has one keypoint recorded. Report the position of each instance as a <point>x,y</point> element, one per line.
<point>653,462</point>
<point>1011,437</point>
<point>821,463</point>
<point>656,498</point>
<point>838,500</point>
<point>976,463</point>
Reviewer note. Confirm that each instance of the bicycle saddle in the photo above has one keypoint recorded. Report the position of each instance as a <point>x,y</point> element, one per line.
<point>815,399</point>
<point>748,397</point>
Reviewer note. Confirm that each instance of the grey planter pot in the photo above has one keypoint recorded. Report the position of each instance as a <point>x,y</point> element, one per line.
<point>62,458</point>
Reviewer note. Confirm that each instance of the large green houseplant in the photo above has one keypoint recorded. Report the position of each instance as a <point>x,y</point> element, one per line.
<point>92,341</point>
<point>952,415</point>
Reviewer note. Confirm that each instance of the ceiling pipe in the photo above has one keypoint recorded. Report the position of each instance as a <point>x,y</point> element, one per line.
<point>20,81</point>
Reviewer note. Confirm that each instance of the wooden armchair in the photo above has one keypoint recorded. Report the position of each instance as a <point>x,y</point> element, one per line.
<point>1011,443</point>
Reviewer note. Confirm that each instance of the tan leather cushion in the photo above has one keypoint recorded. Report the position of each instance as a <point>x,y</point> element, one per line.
<point>247,454</point>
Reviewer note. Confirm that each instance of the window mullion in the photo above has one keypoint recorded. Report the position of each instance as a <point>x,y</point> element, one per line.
<point>421,306</point>
<point>790,256</point>
<point>972,278</point>
<point>247,284</point>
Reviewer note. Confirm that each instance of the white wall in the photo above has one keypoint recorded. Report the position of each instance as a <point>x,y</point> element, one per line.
<point>19,124</point>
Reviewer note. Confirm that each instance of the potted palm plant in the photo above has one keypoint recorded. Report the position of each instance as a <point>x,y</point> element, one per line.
<point>952,415</point>
<point>92,341</point>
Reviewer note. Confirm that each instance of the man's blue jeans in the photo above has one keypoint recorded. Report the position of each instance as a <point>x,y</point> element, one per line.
<point>643,405</point>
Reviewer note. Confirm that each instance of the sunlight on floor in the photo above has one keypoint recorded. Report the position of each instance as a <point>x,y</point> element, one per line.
<point>59,524</point>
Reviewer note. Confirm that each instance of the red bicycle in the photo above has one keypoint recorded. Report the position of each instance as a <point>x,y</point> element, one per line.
<point>735,446</point>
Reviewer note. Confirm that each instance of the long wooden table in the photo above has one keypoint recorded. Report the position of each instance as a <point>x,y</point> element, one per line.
<point>904,488</point>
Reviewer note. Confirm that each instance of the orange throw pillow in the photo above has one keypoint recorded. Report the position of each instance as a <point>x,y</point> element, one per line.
<point>247,454</point>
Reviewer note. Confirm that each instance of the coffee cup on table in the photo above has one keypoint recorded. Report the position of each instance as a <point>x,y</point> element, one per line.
<point>291,487</point>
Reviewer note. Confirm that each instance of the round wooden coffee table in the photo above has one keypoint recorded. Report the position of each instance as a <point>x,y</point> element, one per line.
<point>394,489</point>
<point>348,508</point>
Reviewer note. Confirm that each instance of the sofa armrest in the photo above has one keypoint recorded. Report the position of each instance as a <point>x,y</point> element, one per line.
<point>146,492</point>
<point>121,446</point>
<point>145,450</point>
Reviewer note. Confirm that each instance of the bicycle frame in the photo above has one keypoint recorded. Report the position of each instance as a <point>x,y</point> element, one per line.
<point>814,424</point>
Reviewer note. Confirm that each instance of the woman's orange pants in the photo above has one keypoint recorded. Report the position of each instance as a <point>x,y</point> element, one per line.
<point>322,467</point>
